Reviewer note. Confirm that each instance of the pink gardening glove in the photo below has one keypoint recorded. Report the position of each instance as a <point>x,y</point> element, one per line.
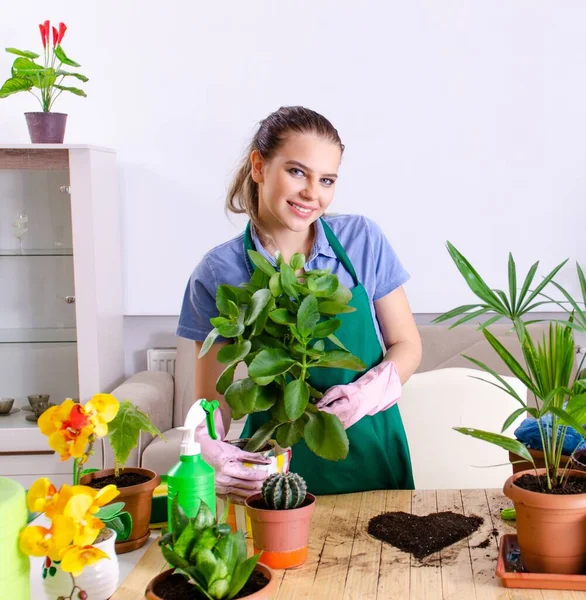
<point>233,479</point>
<point>378,389</point>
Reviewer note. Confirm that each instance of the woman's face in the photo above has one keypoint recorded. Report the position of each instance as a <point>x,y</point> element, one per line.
<point>297,185</point>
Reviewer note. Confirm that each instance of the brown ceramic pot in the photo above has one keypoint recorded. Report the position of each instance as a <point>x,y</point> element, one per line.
<point>46,127</point>
<point>551,528</point>
<point>267,593</point>
<point>137,501</point>
<point>281,535</point>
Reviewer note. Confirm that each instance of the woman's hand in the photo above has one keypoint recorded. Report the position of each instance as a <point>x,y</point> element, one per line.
<point>376,390</point>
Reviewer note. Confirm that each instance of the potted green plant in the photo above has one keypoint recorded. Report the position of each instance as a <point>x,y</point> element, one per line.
<point>282,325</point>
<point>136,485</point>
<point>209,561</point>
<point>45,82</point>
<point>550,503</point>
<point>280,517</point>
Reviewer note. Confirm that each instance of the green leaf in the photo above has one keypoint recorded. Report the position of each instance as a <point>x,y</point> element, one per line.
<point>241,397</point>
<point>261,436</point>
<point>498,440</point>
<point>540,287</point>
<point>270,362</point>
<point>234,353</point>
<point>204,518</point>
<point>227,550</point>
<point>207,564</point>
<point>258,281</point>
<point>227,301</point>
<point>289,434</point>
<point>26,68</point>
<point>325,436</point>
<point>325,328</point>
<point>324,286</point>
<point>121,524</point>
<point>282,316</point>
<point>576,407</point>
<point>308,315</point>
<point>297,261</point>
<point>261,321</point>
<point>230,330</point>
<point>337,342</point>
<point>109,511</point>
<point>568,419</point>
<point>60,54</point>
<point>186,541</point>
<point>455,312</point>
<point>241,575</point>
<point>296,398</point>
<point>179,519</point>
<point>527,284</point>
<point>258,302</point>
<point>225,379</point>
<point>25,53</point>
<point>314,393</point>
<point>512,418</point>
<point>125,428</point>
<point>266,397</point>
<point>289,281</point>
<point>69,74</point>
<point>469,317</point>
<point>512,283</point>
<point>275,284</point>
<point>208,342</point>
<point>334,308</point>
<point>173,558</point>
<point>340,359</point>
<point>73,90</point>
<point>15,85</point>
<point>278,410</point>
<point>261,262</point>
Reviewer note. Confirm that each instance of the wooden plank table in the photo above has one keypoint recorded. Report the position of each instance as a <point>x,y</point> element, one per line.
<point>346,563</point>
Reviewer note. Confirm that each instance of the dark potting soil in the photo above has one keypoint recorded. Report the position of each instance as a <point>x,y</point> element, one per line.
<point>533,483</point>
<point>124,480</point>
<point>177,587</point>
<point>422,536</point>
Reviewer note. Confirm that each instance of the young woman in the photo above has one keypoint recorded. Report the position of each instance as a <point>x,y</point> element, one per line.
<point>285,185</point>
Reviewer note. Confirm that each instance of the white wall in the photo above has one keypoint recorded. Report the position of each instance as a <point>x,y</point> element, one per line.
<point>463,120</point>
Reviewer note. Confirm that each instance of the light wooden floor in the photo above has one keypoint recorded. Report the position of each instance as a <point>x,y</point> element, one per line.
<point>346,563</point>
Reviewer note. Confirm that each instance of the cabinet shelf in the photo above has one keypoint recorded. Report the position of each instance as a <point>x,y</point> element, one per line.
<point>39,252</point>
<point>45,335</point>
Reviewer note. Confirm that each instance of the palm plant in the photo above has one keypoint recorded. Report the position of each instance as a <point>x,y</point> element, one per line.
<point>547,372</point>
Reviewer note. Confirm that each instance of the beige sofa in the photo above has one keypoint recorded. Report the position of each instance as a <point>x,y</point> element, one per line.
<point>167,399</point>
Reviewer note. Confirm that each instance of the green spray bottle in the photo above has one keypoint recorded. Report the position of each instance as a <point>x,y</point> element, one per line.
<point>191,479</point>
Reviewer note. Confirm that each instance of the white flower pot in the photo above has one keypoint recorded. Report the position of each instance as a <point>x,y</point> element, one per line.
<point>99,581</point>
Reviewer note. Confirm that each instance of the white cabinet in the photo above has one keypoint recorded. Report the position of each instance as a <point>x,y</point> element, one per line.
<point>60,290</point>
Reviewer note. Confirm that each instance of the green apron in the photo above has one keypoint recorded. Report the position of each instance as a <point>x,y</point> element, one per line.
<point>378,457</point>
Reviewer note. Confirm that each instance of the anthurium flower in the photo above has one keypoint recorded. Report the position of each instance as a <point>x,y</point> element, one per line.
<point>40,541</point>
<point>41,495</point>
<point>101,409</point>
<point>76,558</point>
<point>62,30</point>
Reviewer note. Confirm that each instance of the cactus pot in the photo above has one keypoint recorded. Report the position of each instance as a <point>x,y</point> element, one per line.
<point>266,593</point>
<point>281,535</point>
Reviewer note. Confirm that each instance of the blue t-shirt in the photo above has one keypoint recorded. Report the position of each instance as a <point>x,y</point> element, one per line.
<point>375,262</point>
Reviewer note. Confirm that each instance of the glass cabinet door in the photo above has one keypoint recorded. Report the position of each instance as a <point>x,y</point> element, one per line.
<point>38,349</point>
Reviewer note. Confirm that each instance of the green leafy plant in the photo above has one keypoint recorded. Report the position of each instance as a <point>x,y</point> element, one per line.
<point>124,431</point>
<point>48,78</point>
<point>114,517</point>
<point>281,326</point>
<point>284,491</point>
<point>547,372</point>
<point>209,555</point>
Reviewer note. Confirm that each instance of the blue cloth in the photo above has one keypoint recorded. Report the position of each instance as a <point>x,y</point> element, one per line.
<point>377,267</point>
<point>528,434</point>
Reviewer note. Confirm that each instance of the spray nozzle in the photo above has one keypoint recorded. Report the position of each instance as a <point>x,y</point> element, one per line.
<point>201,410</point>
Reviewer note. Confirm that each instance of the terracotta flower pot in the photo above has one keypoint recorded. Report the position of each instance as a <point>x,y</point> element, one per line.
<point>46,127</point>
<point>540,462</point>
<point>281,535</point>
<point>137,501</point>
<point>551,528</point>
<point>267,593</point>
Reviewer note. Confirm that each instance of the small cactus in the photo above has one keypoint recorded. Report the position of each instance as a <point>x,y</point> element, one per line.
<point>284,492</point>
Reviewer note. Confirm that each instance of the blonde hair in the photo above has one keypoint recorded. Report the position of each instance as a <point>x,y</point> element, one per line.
<point>271,134</point>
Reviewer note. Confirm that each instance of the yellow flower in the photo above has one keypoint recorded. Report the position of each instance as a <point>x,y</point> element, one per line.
<point>76,558</point>
<point>101,409</point>
<point>41,496</point>
<point>39,541</point>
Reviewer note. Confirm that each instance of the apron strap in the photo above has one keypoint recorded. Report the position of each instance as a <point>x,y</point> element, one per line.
<point>331,237</point>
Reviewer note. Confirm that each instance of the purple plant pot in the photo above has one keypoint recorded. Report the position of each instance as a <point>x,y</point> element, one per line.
<point>46,127</point>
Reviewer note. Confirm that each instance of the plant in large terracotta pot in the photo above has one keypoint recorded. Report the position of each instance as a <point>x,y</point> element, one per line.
<point>282,324</point>
<point>74,540</point>
<point>208,561</point>
<point>550,503</point>
<point>280,517</point>
<point>136,484</point>
<point>45,82</point>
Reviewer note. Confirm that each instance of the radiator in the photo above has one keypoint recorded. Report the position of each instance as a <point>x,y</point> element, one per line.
<point>161,359</point>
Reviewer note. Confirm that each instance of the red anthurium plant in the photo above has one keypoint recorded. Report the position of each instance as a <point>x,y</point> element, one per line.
<point>45,82</point>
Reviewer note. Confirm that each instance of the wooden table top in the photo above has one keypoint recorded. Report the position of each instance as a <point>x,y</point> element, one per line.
<point>346,563</point>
